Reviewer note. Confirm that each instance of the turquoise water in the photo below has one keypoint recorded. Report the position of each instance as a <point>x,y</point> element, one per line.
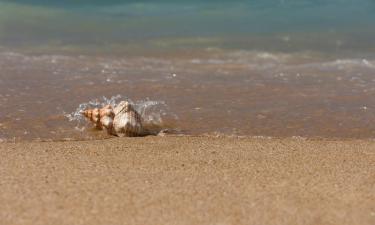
<point>338,26</point>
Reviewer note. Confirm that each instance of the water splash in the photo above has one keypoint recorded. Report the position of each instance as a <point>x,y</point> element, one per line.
<point>94,103</point>
<point>156,114</point>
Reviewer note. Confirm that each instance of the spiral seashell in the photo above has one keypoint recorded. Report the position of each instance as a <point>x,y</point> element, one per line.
<point>94,116</point>
<point>123,120</point>
<point>106,116</point>
<point>127,121</point>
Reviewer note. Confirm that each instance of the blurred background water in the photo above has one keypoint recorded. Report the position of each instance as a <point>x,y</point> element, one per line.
<point>241,67</point>
<point>283,25</point>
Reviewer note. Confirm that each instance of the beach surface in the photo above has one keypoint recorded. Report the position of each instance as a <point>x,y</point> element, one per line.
<point>188,180</point>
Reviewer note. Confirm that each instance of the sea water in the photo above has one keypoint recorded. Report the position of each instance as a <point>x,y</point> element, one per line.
<point>277,68</point>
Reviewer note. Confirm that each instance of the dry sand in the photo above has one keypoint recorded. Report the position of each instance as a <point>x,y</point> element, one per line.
<point>188,180</point>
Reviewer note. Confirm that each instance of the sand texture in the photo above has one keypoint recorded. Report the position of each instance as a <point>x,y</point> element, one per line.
<point>188,180</point>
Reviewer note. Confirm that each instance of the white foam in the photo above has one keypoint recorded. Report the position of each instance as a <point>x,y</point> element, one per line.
<point>339,64</point>
<point>153,112</point>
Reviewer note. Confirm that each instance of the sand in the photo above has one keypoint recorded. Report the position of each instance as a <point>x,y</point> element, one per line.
<point>188,180</point>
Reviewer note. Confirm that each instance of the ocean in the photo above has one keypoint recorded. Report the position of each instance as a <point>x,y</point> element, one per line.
<point>264,68</point>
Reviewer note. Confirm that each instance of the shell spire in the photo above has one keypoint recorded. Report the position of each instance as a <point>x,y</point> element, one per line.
<point>122,120</point>
<point>94,116</point>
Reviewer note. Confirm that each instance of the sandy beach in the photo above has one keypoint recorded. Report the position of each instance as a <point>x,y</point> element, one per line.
<point>262,111</point>
<point>188,180</point>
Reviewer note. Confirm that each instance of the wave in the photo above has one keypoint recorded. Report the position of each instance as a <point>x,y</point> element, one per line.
<point>210,56</point>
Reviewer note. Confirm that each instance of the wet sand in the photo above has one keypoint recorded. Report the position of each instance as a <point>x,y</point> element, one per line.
<point>188,180</point>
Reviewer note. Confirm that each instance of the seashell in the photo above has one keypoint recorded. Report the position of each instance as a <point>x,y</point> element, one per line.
<point>93,115</point>
<point>100,117</point>
<point>127,121</point>
<point>122,120</point>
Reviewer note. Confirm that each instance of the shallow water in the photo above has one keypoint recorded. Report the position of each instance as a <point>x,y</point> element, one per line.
<point>209,92</point>
<point>252,68</point>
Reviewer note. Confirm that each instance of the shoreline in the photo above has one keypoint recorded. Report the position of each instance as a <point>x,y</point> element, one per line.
<point>208,136</point>
<point>188,180</point>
